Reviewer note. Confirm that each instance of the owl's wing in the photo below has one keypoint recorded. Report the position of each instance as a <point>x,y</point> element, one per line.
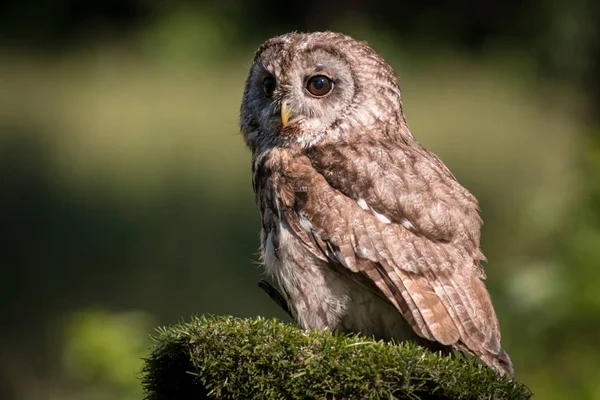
<point>401,219</point>
<point>404,184</point>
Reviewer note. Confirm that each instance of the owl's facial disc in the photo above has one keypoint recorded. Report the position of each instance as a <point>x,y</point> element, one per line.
<point>296,90</point>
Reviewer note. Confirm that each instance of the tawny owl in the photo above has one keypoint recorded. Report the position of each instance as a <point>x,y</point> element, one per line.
<point>363,229</point>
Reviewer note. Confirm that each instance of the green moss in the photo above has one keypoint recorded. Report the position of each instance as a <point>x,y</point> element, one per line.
<point>231,358</point>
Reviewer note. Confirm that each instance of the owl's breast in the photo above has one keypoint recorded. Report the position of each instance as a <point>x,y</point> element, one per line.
<point>317,295</point>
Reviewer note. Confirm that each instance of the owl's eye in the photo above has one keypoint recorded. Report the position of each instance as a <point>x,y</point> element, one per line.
<point>269,85</point>
<point>319,85</point>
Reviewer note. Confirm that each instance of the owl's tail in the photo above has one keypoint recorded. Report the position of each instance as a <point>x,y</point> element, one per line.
<point>500,362</point>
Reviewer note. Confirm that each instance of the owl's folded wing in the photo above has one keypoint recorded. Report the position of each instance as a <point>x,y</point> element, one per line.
<point>404,184</point>
<point>435,284</point>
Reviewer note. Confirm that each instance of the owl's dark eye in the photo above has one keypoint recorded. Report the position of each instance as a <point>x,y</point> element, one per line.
<point>319,85</point>
<point>269,85</point>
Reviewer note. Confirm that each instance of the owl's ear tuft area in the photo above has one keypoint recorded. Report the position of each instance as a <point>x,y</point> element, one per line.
<point>225,357</point>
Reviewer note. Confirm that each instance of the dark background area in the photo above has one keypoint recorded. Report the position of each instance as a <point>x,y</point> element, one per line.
<point>125,196</point>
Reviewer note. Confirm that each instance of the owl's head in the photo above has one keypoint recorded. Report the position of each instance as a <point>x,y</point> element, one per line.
<point>304,88</point>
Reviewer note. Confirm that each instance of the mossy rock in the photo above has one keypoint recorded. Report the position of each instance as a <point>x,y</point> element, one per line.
<point>232,358</point>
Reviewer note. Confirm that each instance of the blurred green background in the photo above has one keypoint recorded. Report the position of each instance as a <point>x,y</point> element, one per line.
<point>125,195</point>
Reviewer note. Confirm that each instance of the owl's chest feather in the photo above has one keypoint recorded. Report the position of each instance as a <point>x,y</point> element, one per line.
<point>317,295</point>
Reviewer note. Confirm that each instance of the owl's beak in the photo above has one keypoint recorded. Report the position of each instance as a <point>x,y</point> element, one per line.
<point>286,114</point>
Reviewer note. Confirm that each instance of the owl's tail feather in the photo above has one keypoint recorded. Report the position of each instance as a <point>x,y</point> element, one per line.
<point>500,362</point>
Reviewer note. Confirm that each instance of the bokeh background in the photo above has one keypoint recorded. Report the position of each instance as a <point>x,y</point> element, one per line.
<point>125,195</point>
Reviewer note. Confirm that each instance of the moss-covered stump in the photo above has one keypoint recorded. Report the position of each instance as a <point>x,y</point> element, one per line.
<point>231,358</point>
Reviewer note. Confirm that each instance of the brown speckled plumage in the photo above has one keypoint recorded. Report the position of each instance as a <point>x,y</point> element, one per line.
<point>363,229</point>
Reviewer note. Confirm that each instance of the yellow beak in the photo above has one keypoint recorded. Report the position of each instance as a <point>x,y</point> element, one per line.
<point>286,114</point>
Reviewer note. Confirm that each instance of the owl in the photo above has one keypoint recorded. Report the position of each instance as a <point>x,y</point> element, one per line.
<point>363,229</point>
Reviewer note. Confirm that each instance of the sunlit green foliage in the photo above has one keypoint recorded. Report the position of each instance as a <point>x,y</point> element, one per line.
<point>103,353</point>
